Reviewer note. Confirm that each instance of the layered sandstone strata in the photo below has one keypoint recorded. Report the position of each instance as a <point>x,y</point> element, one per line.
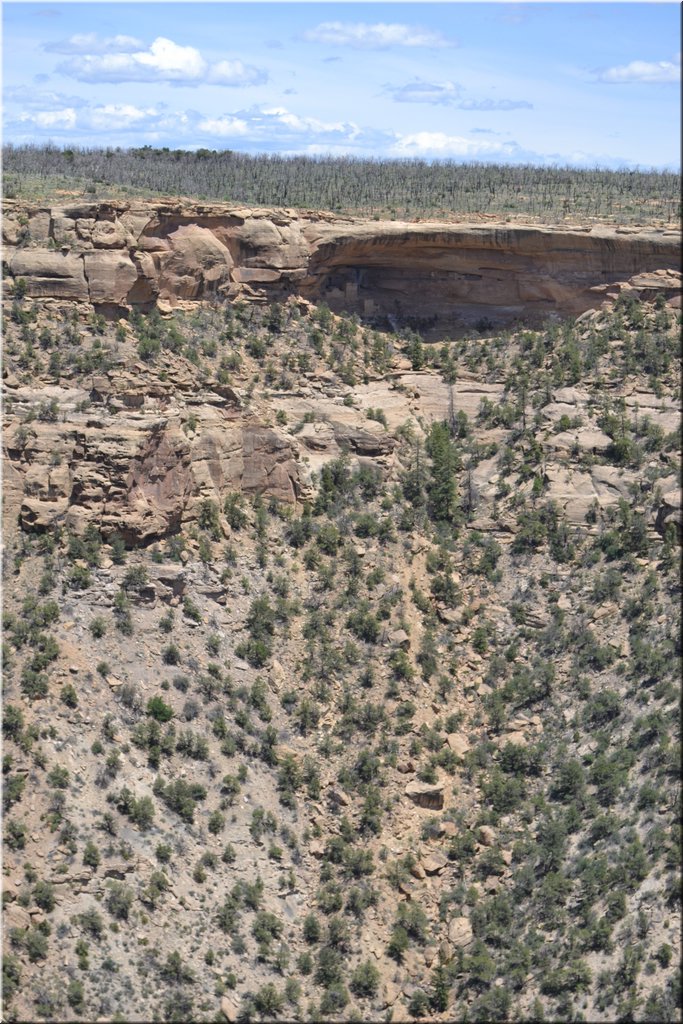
<point>135,455</point>
<point>134,254</point>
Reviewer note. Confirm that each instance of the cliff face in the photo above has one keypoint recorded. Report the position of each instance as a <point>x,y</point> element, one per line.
<point>465,272</point>
<point>437,274</point>
<point>134,454</point>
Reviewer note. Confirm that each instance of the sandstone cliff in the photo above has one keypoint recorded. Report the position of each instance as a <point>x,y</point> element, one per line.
<point>134,254</point>
<point>135,455</point>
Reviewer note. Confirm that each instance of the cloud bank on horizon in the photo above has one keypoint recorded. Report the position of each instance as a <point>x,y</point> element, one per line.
<point>432,81</point>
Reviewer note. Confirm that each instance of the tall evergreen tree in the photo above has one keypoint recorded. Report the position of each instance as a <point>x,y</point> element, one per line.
<point>442,489</point>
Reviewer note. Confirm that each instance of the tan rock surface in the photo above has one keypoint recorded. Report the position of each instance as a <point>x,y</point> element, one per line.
<point>434,863</point>
<point>229,1009</point>
<point>425,794</point>
<point>670,510</point>
<point>458,744</point>
<point>51,273</point>
<point>139,473</point>
<point>486,835</point>
<point>433,271</point>
<point>460,932</point>
<point>110,276</point>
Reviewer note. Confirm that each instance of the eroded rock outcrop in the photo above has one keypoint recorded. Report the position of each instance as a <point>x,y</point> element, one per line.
<point>141,472</point>
<point>135,450</point>
<point>436,274</point>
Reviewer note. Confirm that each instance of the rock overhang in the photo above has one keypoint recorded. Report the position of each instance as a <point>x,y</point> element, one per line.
<point>132,255</point>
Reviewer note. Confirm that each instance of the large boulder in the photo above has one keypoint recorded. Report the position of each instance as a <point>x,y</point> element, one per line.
<point>50,273</point>
<point>670,511</point>
<point>460,932</point>
<point>110,276</point>
<point>458,743</point>
<point>196,263</point>
<point>425,794</point>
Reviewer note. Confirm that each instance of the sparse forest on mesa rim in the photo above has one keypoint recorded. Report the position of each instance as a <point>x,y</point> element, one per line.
<point>383,188</point>
<point>340,666</point>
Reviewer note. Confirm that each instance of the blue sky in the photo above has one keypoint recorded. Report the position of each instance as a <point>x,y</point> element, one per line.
<point>585,83</point>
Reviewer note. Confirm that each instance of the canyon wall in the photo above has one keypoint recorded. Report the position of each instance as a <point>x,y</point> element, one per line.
<point>134,454</point>
<point>437,275</point>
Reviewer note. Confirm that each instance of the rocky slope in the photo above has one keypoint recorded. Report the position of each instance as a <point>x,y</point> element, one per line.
<point>440,275</point>
<point>340,669</point>
<point>127,452</point>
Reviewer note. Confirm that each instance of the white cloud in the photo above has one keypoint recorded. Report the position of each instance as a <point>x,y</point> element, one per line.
<point>374,37</point>
<point>90,43</point>
<point>119,116</point>
<point>234,72</point>
<point>223,127</point>
<point>163,61</point>
<point>281,116</point>
<point>108,117</point>
<point>425,92</point>
<point>327,149</point>
<point>64,120</point>
<point>269,126</point>
<point>643,71</point>
<point>264,127</point>
<point>40,99</point>
<point>495,105</point>
<point>448,94</point>
<point>441,145</point>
